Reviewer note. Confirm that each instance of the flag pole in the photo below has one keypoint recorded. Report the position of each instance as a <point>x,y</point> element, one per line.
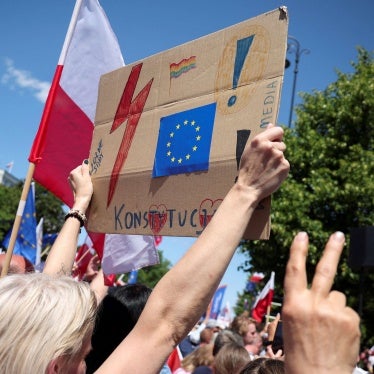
<point>18,219</point>
<point>38,142</point>
<point>268,313</point>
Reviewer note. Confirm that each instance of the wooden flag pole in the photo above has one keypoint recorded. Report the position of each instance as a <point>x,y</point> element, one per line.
<point>17,220</point>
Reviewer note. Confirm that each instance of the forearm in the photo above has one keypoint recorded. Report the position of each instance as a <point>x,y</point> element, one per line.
<point>198,274</point>
<point>98,286</point>
<point>61,257</point>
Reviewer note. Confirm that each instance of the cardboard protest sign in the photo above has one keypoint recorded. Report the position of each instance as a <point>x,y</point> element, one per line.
<point>170,130</point>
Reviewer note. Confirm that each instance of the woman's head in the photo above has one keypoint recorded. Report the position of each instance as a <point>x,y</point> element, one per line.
<point>230,358</point>
<point>44,321</point>
<point>264,365</point>
<point>246,328</point>
<point>224,337</point>
<point>201,356</point>
<point>117,315</point>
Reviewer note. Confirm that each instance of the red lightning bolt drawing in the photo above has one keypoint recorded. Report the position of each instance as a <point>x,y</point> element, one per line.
<point>130,111</point>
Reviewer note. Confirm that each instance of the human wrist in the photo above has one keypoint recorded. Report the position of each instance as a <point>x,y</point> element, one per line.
<point>81,204</point>
<point>246,195</point>
<point>78,215</point>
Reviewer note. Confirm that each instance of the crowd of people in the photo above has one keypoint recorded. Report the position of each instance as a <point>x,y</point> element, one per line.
<point>51,323</point>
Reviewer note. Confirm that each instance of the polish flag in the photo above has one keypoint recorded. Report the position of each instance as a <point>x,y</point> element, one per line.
<point>64,136</point>
<point>83,257</point>
<point>174,360</point>
<point>264,300</point>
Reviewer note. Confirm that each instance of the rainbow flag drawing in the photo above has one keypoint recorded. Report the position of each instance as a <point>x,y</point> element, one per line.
<point>177,69</point>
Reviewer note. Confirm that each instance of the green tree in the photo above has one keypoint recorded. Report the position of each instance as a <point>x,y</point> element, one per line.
<point>9,198</point>
<point>330,186</point>
<point>46,205</point>
<point>50,207</point>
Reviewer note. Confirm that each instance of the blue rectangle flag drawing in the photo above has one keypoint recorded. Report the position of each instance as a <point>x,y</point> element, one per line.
<point>184,140</point>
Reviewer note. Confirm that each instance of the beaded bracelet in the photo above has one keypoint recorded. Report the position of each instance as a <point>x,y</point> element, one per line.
<point>81,217</point>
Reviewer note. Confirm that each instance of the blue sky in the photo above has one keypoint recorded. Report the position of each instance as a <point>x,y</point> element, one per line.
<point>32,34</point>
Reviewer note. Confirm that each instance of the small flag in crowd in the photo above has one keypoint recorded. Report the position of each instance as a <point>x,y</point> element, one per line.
<point>133,277</point>
<point>174,360</point>
<point>264,300</point>
<point>83,257</point>
<point>214,307</point>
<point>254,279</point>
<point>49,239</point>
<point>25,244</point>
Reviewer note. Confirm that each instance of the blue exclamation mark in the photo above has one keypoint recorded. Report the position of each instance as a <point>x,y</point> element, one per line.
<point>242,48</point>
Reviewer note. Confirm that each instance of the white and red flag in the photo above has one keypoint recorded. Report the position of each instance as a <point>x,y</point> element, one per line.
<point>175,359</point>
<point>82,258</point>
<point>65,132</point>
<point>264,300</point>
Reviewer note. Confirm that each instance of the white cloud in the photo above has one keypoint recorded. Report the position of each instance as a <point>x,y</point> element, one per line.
<point>15,78</point>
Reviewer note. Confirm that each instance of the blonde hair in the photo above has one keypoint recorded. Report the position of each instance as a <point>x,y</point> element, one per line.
<point>201,356</point>
<point>42,318</point>
<point>240,324</point>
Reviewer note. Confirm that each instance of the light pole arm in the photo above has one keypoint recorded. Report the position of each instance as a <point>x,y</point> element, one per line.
<point>294,47</point>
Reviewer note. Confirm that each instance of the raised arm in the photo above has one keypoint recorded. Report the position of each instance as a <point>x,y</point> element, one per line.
<point>182,295</point>
<point>61,257</point>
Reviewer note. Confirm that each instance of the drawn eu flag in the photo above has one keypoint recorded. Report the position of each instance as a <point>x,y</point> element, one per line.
<point>184,140</point>
<point>25,244</point>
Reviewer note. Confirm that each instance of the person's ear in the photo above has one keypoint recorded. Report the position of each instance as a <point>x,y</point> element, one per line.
<point>54,366</point>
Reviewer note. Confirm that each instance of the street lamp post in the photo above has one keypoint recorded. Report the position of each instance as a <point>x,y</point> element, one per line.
<point>293,46</point>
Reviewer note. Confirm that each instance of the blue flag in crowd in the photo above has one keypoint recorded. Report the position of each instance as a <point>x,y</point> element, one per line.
<point>217,302</point>
<point>49,239</point>
<point>184,139</point>
<point>133,277</point>
<point>25,244</point>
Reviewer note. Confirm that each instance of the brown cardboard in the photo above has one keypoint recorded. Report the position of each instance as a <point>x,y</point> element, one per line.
<point>182,204</point>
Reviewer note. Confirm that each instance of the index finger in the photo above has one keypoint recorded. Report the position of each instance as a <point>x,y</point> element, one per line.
<point>326,269</point>
<point>295,279</point>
